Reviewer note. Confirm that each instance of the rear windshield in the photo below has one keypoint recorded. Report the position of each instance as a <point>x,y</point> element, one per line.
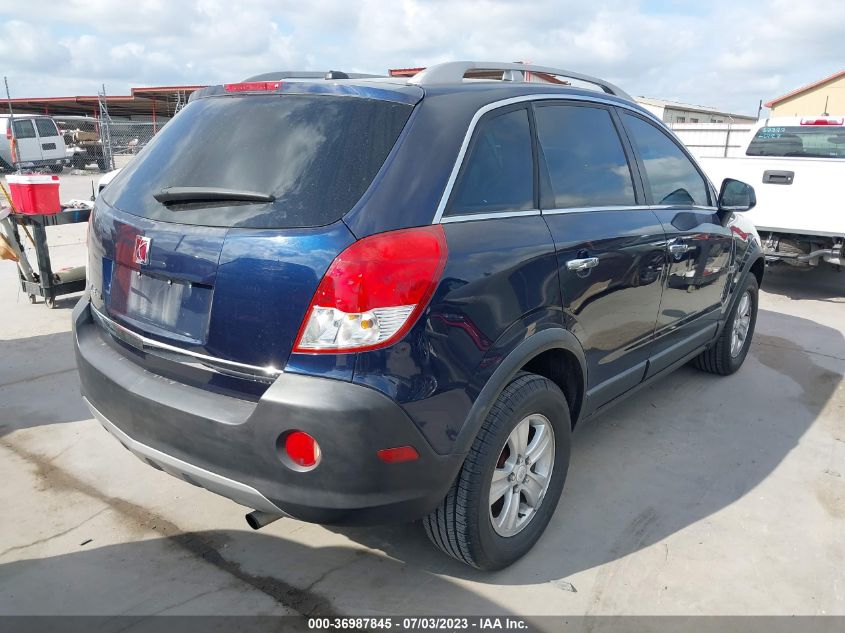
<point>823,141</point>
<point>315,154</point>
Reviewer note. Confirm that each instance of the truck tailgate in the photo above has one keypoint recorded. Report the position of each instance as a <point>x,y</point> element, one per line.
<point>794,195</point>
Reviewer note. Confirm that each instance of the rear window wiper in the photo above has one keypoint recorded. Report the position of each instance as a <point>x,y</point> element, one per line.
<point>182,195</point>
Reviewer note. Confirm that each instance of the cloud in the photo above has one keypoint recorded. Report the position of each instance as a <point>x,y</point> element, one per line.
<point>722,53</point>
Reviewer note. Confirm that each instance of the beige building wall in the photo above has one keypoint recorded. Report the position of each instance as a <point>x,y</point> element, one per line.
<point>811,102</point>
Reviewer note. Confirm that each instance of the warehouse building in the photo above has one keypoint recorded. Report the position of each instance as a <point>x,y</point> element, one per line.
<point>154,104</point>
<point>823,97</point>
<point>672,112</point>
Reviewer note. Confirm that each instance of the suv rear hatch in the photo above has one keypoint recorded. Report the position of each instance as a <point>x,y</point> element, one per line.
<point>214,239</point>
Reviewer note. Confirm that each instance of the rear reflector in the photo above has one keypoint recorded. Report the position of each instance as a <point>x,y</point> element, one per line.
<point>253,86</point>
<point>302,449</point>
<point>398,454</point>
<point>838,121</point>
<point>374,291</point>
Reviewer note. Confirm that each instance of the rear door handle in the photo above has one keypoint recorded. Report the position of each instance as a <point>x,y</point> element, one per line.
<point>678,248</point>
<point>582,264</point>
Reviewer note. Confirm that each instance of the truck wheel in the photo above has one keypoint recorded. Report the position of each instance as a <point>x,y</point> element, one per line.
<point>102,165</point>
<point>510,483</point>
<point>56,169</point>
<point>731,348</point>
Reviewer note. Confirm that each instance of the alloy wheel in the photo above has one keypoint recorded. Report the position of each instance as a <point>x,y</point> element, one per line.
<point>522,475</point>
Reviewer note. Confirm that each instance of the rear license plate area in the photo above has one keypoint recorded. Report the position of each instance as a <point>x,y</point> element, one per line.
<point>167,307</point>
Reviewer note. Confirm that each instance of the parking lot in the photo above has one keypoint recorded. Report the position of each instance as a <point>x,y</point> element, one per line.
<point>698,495</point>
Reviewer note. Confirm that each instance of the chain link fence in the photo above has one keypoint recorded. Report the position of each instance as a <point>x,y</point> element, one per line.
<point>104,143</point>
<point>123,139</point>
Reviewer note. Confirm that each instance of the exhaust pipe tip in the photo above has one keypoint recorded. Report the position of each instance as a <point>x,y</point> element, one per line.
<point>257,519</point>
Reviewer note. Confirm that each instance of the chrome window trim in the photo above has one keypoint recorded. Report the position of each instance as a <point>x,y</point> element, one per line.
<point>144,344</point>
<point>453,176</point>
<point>695,207</point>
<point>620,207</point>
<point>467,217</point>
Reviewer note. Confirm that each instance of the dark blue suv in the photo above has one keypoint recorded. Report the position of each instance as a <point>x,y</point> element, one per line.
<point>360,300</point>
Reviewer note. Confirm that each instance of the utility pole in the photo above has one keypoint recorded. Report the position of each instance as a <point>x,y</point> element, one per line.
<point>759,109</point>
<point>14,142</point>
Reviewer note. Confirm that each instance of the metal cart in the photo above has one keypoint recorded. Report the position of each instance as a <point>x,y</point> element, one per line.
<point>48,284</point>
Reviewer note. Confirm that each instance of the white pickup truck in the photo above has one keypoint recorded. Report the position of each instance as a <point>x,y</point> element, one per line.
<point>797,168</point>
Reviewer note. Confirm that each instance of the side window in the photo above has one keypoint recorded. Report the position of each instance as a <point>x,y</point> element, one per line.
<point>583,152</point>
<point>24,129</point>
<point>498,172</point>
<point>672,177</point>
<point>46,127</point>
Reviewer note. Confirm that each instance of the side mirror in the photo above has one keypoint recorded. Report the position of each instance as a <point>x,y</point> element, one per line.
<point>735,195</point>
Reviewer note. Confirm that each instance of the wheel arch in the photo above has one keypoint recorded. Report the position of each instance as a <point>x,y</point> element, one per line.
<point>758,269</point>
<point>554,353</point>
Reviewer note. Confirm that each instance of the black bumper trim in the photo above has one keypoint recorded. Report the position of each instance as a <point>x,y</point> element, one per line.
<point>234,490</point>
<point>239,440</point>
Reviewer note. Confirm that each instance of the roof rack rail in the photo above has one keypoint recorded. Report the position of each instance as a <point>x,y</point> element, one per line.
<point>453,72</point>
<point>309,74</point>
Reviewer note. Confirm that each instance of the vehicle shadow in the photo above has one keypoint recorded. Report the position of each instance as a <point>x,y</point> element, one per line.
<point>220,572</point>
<point>824,284</point>
<point>39,384</point>
<point>667,457</point>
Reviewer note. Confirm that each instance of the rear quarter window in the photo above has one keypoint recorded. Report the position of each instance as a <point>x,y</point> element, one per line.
<point>498,172</point>
<point>315,154</point>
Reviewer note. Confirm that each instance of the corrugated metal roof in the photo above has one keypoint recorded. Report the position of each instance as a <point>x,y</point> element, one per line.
<point>142,101</point>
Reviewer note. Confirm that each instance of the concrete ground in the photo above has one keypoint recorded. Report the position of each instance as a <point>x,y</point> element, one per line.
<point>698,495</point>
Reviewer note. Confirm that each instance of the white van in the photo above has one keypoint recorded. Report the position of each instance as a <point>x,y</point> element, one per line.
<point>39,143</point>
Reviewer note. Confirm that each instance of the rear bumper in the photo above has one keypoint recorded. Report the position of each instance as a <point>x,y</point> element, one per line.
<point>231,446</point>
<point>43,163</point>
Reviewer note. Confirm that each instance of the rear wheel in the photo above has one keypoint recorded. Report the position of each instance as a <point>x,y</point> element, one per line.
<point>508,488</point>
<point>731,348</point>
<point>56,169</point>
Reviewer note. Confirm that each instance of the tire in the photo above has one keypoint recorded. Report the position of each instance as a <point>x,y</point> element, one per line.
<point>463,525</point>
<point>56,169</point>
<point>721,359</point>
<point>102,165</point>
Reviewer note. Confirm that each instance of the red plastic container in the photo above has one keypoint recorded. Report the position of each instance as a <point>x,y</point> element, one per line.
<point>35,194</point>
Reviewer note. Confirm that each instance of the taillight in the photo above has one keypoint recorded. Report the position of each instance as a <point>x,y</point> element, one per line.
<point>374,291</point>
<point>253,86</point>
<point>839,121</point>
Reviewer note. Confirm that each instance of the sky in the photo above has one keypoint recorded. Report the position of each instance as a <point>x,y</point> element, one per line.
<point>727,54</point>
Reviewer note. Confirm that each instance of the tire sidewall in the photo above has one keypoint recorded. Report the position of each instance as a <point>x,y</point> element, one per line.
<point>736,362</point>
<point>502,551</point>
